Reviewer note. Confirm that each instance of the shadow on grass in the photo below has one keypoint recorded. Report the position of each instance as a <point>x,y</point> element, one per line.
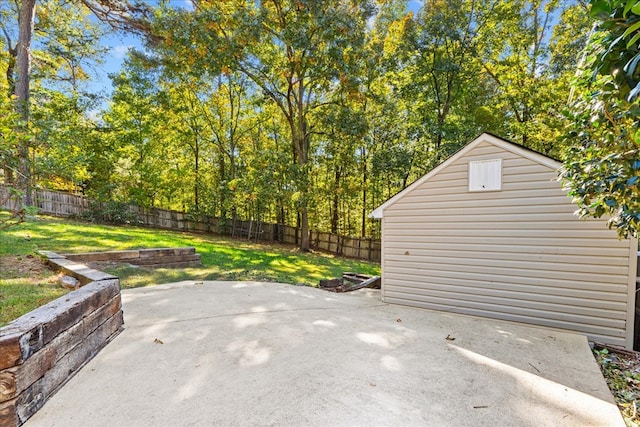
<point>223,258</point>
<point>227,263</point>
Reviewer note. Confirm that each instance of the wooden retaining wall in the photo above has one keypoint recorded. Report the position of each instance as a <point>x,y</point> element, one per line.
<point>42,350</point>
<point>156,257</point>
<point>61,204</point>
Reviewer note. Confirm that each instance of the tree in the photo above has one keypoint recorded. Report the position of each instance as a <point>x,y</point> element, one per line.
<point>602,168</point>
<point>136,134</point>
<point>293,51</point>
<point>527,61</point>
<point>445,36</point>
<point>120,14</point>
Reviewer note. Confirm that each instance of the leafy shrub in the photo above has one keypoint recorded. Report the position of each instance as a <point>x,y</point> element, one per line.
<point>110,213</point>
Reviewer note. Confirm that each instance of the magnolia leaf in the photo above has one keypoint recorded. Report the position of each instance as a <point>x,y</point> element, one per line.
<point>631,29</point>
<point>600,9</point>
<point>630,67</point>
<point>627,7</point>
<point>633,40</point>
<point>633,93</point>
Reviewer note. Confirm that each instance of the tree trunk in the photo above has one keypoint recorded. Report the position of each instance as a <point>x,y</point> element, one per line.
<point>196,183</point>
<point>304,209</point>
<point>11,67</point>
<point>336,201</point>
<point>304,229</point>
<point>26,21</point>
<point>224,189</point>
<point>363,230</point>
<point>300,145</point>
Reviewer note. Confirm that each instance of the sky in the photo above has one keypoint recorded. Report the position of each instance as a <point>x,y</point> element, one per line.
<point>118,44</point>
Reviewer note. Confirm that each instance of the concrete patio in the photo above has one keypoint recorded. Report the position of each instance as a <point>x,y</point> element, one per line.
<point>234,353</point>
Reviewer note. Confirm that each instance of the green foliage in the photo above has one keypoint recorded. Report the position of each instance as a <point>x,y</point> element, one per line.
<point>602,168</point>
<point>135,128</point>
<point>286,111</point>
<point>109,212</point>
<point>531,50</point>
<point>294,52</point>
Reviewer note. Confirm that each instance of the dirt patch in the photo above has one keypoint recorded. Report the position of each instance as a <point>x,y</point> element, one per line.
<point>28,267</point>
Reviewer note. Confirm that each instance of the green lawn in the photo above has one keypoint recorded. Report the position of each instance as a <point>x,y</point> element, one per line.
<point>222,258</point>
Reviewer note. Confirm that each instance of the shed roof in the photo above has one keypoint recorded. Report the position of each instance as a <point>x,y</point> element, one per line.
<point>485,137</point>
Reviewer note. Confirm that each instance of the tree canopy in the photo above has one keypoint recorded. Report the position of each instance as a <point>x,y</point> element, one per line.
<point>312,113</point>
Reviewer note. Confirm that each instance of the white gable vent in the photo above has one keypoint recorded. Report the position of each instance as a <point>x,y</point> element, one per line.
<point>485,175</point>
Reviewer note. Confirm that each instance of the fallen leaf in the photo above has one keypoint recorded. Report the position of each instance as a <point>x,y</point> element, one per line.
<point>157,341</point>
<point>449,338</point>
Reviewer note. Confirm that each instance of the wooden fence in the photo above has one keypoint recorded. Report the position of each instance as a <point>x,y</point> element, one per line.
<point>63,204</point>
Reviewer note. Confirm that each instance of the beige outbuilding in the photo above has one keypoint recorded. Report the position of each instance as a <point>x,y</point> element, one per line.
<point>491,232</point>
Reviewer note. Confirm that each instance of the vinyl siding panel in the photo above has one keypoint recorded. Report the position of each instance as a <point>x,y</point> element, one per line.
<point>516,254</point>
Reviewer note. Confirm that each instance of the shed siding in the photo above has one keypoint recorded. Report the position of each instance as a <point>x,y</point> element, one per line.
<point>516,254</point>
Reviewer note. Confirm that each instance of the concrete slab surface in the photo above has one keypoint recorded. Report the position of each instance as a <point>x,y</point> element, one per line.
<point>244,354</point>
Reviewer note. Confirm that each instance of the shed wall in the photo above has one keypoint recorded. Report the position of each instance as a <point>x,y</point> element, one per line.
<point>518,254</point>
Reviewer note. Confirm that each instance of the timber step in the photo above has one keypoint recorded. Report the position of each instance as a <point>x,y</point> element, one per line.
<point>154,257</point>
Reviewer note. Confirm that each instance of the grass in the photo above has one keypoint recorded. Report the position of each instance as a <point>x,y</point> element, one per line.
<point>25,283</point>
<point>222,258</point>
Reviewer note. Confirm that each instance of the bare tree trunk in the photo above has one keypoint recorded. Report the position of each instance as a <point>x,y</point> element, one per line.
<point>196,184</point>
<point>223,192</point>
<point>26,21</point>
<point>300,145</point>
<point>304,229</point>
<point>336,201</point>
<point>363,230</point>
<point>304,209</point>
